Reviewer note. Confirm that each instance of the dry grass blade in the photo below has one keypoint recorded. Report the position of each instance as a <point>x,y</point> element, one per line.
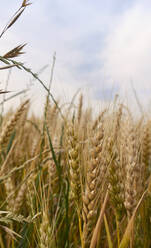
<point>99,223</point>
<point>10,232</point>
<point>126,238</point>
<point>15,16</point>
<point>12,21</point>
<point>7,67</point>
<point>2,92</point>
<point>15,52</point>
<point>110,244</point>
<point>15,19</point>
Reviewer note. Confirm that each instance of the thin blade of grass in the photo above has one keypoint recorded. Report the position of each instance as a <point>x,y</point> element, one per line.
<point>11,232</point>
<point>110,244</point>
<point>7,67</point>
<point>11,97</point>
<point>99,223</point>
<point>126,238</point>
<point>54,155</point>
<point>12,21</point>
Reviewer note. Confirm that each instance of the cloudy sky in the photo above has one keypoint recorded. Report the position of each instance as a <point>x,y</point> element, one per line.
<point>102,47</point>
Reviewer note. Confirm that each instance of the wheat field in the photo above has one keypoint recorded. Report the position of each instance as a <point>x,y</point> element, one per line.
<point>70,179</point>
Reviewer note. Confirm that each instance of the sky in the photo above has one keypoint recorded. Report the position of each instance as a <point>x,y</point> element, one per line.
<point>102,48</point>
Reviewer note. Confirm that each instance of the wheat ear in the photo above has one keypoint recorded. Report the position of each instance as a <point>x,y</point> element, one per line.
<point>90,194</point>
<point>132,169</point>
<point>74,164</point>
<point>5,135</point>
<point>80,106</point>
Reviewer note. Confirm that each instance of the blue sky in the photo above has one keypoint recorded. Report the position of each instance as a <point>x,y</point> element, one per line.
<point>101,47</point>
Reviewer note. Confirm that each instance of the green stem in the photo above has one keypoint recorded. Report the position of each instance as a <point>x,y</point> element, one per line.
<point>118,230</point>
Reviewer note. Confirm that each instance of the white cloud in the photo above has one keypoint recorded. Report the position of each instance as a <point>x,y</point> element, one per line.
<point>69,27</point>
<point>127,53</point>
